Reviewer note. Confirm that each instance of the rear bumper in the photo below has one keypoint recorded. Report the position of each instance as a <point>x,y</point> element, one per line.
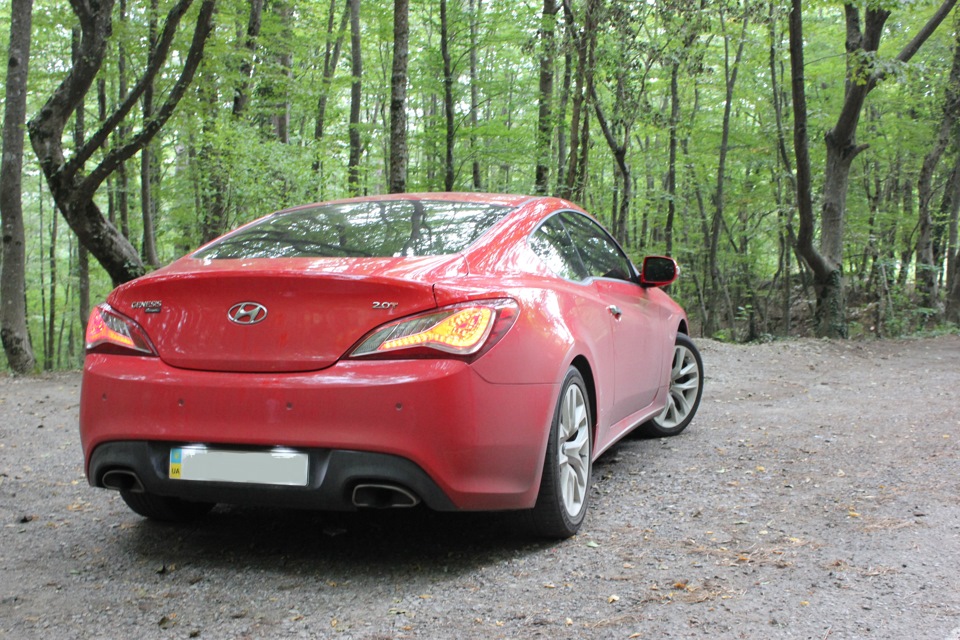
<point>435,426</point>
<point>332,478</point>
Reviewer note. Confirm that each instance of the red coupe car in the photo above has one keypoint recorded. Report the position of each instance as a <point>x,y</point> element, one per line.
<point>464,351</point>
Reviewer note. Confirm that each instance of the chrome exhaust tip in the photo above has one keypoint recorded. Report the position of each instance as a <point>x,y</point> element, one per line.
<point>383,496</point>
<point>122,480</point>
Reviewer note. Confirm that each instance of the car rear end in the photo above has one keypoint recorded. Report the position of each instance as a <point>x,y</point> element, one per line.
<point>258,372</point>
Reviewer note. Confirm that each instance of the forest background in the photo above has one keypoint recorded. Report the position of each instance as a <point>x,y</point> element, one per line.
<point>801,161</point>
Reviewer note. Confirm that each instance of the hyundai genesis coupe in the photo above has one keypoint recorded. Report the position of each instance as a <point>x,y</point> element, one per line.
<point>461,351</point>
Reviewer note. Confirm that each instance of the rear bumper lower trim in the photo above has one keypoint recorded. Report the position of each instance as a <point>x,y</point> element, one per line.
<point>333,475</point>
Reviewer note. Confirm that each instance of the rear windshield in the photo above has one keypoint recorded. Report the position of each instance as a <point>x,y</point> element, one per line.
<point>393,228</point>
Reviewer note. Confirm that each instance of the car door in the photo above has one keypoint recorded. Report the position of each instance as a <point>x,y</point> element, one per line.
<point>634,319</point>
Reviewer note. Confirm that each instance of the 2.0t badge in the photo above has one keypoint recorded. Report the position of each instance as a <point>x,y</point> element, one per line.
<point>247,313</point>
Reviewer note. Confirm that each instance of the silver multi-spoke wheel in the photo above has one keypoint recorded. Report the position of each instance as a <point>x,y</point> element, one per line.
<point>686,387</point>
<point>565,484</point>
<point>573,456</point>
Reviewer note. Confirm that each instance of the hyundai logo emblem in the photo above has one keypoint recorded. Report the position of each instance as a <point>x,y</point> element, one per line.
<point>247,313</point>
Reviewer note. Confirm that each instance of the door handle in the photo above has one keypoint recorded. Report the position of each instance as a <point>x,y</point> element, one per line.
<point>615,311</point>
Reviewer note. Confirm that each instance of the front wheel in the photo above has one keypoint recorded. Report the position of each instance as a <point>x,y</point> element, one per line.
<point>686,387</point>
<point>565,484</point>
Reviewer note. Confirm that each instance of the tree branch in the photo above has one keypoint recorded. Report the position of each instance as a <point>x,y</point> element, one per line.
<point>618,151</point>
<point>924,34</point>
<point>46,128</point>
<point>918,40</point>
<point>92,182</point>
<point>155,61</point>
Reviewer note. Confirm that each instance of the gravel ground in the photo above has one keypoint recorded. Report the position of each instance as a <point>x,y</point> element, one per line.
<point>814,496</point>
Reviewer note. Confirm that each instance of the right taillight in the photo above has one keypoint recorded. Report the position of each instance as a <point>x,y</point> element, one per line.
<point>112,332</point>
<point>467,329</point>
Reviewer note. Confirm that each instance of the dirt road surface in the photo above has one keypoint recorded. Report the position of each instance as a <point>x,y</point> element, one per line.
<point>816,495</point>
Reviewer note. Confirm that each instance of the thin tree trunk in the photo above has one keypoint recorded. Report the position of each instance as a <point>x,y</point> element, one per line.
<point>398,97</point>
<point>148,203</point>
<point>356,95</point>
<point>331,57</point>
<point>122,132</point>
<point>672,156</point>
<point>14,332</point>
<point>49,354</point>
<point>784,166</point>
<point>950,210</point>
<point>927,269</point>
<point>285,60</point>
<point>561,118</point>
<point>717,283</point>
<point>83,256</point>
<point>579,36</point>
<point>450,139</point>
<point>475,9</point>
<point>545,111</point>
<point>242,90</point>
<point>102,115</point>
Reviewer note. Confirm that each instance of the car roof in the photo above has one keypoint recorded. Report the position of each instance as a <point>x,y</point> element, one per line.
<point>443,196</point>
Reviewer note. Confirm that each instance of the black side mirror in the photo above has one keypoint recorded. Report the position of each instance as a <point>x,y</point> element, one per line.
<point>658,271</point>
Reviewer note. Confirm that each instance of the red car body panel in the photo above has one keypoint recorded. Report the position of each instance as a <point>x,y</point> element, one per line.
<point>477,427</point>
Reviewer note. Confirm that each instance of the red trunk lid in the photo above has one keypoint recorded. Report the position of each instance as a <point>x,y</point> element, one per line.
<point>295,314</point>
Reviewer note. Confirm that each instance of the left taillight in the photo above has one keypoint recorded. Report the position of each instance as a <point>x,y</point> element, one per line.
<point>111,332</point>
<point>468,330</point>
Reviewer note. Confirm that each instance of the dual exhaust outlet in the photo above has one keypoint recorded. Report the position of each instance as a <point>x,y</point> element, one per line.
<point>364,496</point>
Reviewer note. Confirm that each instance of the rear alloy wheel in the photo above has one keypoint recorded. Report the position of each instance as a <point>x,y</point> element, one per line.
<point>565,484</point>
<point>686,387</point>
<point>165,508</point>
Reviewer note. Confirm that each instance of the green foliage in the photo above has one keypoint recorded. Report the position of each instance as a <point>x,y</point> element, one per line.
<point>268,156</point>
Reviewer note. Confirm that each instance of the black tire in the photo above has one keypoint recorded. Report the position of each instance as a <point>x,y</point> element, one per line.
<point>686,388</point>
<point>565,485</point>
<point>165,508</point>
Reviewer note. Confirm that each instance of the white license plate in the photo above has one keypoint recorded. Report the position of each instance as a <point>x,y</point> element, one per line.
<point>276,467</point>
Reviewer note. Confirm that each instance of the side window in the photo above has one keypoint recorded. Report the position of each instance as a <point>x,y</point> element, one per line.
<point>552,244</point>
<point>601,255</point>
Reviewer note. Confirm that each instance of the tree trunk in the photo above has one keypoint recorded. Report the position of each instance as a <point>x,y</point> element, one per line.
<point>14,332</point>
<point>49,352</point>
<point>241,93</point>
<point>331,57</point>
<point>561,118</point>
<point>79,136</point>
<point>842,149</point>
<point>672,156</point>
<point>72,187</point>
<point>356,95</point>
<point>450,137</point>
<point>717,284</point>
<point>475,8</point>
<point>545,111</point>
<point>148,176</point>
<point>927,266</point>
<point>950,210</point>
<point>122,132</point>
<point>585,40</point>
<point>398,97</point>
<point>281,117</point>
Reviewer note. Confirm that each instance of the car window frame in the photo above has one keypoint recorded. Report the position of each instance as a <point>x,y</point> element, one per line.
<point>633,272</point>
<point>582,267</point>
